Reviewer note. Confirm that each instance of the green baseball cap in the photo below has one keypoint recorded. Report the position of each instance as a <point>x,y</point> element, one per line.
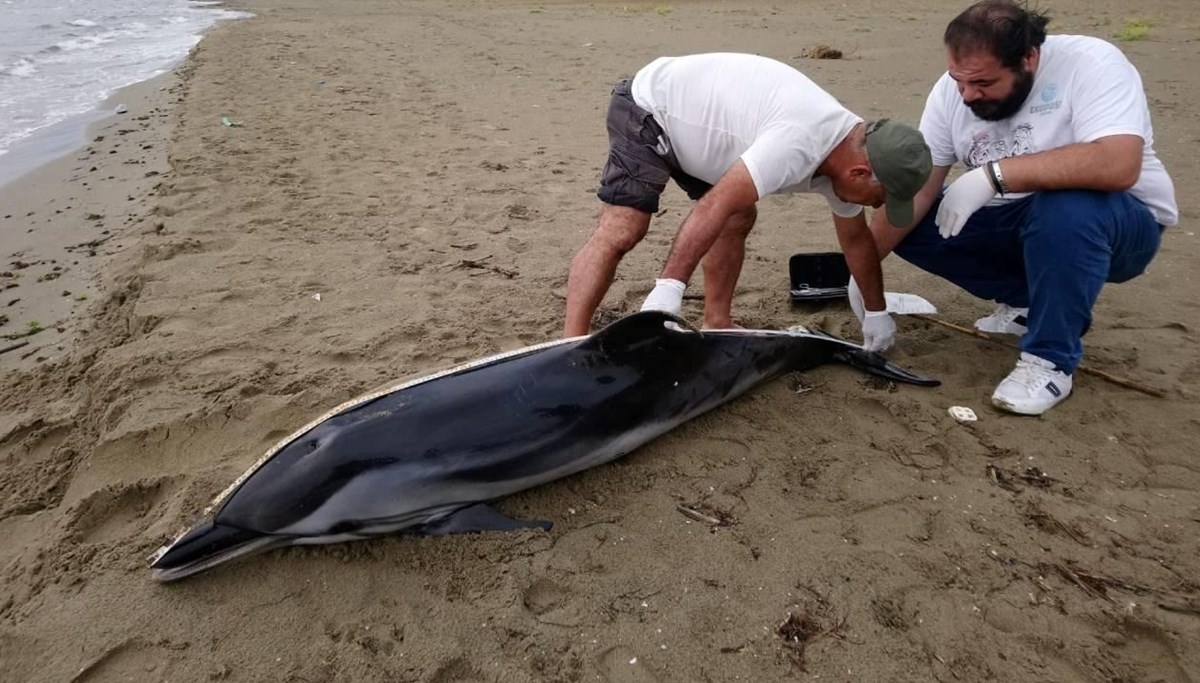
<point>900,160</point>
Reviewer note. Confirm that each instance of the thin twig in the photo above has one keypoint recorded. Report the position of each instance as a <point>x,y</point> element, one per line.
<point>1070,574</point>
<point>1047,522</point>
<point>474,262</point>
<point>14,347</point>
<point>1182,608</point>
<point>691,513</point>
<point>479,264</point>
<point>1001,478</point>
<point>1121,381</point>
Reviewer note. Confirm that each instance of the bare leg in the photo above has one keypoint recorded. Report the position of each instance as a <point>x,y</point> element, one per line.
<point>722,266</point>
<point>593,268</point>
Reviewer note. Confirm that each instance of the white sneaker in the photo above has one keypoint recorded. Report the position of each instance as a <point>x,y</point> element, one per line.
<point>1004,320</point>
<point>1032,388</point>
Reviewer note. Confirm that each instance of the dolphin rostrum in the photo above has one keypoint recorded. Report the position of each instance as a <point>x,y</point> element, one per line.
<point>426,456</point>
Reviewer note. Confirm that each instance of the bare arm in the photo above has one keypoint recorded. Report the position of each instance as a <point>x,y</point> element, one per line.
<point>734,192</point>
<point>862,258</point>
<point>1109,164</point>
<point>887,236</point>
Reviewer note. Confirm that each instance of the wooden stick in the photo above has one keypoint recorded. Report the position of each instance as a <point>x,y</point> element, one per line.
<point>1074,578</point>
<point>13,347</point>
<point>1121,381</point>
<point>697,515</point>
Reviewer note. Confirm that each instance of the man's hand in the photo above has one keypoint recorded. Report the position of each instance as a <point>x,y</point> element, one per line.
<point>878,331</point>
<point>667,296</point>
<point>964,197</point>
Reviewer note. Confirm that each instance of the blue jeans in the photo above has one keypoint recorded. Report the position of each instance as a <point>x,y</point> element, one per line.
<point>1050,252</point>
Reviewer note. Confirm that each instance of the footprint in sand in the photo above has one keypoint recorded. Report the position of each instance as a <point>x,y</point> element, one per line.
<point>552,604</point>
<point>716,457</point>
<point>116,511</point>
<point>1147,651</point>
<point>39,462</point>
<point>382,639</point>
<point>1130,651</point>
<point>622,665</point>
<point>458,670</point>
<point>131,660</point>
<point>543,596</point>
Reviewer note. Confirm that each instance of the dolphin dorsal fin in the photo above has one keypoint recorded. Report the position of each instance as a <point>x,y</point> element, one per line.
<point>635,330</point>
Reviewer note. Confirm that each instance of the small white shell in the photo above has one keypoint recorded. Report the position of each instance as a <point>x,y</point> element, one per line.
<point>963,414</point>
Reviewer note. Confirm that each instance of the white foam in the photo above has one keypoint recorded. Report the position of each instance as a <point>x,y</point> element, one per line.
<point>23,68</point>
<point>80,43</point>
<point>81,52</point>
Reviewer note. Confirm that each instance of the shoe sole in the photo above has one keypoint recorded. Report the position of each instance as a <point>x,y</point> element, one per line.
<point>1008,332</point>
<point>1006,406</point>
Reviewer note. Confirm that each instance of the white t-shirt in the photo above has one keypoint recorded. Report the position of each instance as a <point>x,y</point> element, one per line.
<point>1084,89</point>
<point>718,108</point>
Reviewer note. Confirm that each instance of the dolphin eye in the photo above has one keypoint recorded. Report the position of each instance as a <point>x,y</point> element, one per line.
<point>345,527</point>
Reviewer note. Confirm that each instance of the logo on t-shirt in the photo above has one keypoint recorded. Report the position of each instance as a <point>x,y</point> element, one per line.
<point>985,148</point>
<point>1050,100</point>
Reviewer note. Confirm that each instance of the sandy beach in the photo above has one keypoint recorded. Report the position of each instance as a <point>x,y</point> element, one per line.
<point>402,190</point>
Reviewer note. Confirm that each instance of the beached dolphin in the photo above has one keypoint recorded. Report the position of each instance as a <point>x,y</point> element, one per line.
<point>426,456</point>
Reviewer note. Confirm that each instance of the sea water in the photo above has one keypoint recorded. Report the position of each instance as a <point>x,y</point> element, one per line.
<point>60,59</point>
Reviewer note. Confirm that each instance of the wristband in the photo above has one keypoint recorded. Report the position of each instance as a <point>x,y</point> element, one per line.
<point>997,177</point>
<point>991,176</point>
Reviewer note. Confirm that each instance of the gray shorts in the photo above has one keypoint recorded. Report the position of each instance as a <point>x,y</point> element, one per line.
<point>636,173</point>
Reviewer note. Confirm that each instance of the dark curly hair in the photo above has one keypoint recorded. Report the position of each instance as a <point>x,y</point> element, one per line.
<point>1005,29</point>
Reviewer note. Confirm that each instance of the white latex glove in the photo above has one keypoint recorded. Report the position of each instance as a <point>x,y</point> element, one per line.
<point>964,197</point>
<point>667,296</point>
<point>854,294</point>
<point>879,331</point>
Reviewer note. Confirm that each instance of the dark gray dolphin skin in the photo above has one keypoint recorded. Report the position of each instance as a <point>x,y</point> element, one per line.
<point>427,456</point>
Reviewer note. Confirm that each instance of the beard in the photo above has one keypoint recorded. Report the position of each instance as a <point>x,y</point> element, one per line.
<point>1003,108</point>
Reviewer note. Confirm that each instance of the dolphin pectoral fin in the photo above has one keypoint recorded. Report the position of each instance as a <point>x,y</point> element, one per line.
<point>480,517</point>
<point>876,364</point>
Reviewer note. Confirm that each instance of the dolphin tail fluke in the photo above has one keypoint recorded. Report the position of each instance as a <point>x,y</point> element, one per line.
<point>876,364</point>
<point>208,545</point>
<point>480,518</point>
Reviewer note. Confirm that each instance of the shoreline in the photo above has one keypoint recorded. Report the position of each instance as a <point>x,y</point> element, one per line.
<point>66,218</point>
<point>46,145</point>
<point>43,146</point>
<point>72,193</point>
